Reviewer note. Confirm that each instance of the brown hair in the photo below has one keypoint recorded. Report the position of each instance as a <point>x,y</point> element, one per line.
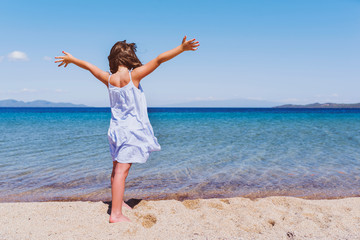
<point>123,54</point>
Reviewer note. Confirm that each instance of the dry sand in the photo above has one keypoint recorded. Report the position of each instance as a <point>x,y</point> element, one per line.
<point>232,218</point>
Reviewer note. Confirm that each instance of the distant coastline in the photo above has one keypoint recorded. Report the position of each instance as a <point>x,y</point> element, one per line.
<point>37,103</point>
<point>12,103</point>
<point>322,105</point>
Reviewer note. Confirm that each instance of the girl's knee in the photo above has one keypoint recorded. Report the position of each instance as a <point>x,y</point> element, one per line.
<point>121,174</point>
<point>122,168</point>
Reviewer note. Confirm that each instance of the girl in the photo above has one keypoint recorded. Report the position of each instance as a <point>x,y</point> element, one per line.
<point>131,136</point>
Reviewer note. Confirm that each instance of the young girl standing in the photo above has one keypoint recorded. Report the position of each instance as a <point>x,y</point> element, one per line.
<point>131,136</point>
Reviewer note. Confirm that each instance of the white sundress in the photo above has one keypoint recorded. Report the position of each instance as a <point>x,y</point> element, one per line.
<point>131,136</point>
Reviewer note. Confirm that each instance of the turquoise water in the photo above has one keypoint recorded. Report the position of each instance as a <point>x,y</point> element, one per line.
<point>63,154</point>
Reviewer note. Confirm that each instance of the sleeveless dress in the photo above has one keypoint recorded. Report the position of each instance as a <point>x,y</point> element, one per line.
<point>131,136</point>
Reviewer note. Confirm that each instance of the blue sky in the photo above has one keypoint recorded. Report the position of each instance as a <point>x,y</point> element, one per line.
<point>298,51</point>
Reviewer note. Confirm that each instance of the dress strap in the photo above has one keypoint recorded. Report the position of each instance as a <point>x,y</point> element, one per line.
<point>109,79</point>
<point>130,73</point>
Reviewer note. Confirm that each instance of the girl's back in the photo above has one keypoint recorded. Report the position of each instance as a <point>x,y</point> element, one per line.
<point>121,79</point>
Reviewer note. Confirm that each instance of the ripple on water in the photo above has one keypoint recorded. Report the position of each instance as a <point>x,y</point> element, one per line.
<point>51,155</point>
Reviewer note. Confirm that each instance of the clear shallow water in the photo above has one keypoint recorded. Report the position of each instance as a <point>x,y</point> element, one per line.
<point>63,154</point>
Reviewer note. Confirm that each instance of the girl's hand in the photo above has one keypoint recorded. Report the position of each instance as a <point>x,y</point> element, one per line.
<point>68,58</point>
<point>189,45</point>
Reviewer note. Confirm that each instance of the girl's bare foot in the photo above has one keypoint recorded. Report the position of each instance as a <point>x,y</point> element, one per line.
<point>125,205</point>
<point>120,218</point>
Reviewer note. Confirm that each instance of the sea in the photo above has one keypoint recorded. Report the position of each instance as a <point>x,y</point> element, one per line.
<point>62,154</point>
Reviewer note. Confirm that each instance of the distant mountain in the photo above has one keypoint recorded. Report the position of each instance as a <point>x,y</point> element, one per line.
<point>322,105</point>
<point>239,102</point>
<point>37,103</point>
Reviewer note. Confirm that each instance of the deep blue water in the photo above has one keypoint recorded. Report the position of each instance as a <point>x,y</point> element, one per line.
<point>63,154</point>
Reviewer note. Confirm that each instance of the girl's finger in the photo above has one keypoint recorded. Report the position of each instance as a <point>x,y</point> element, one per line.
<point>59,57</point>
<point>65,53</point>
<point>61,64</point>
<point>58,61</point>
<point>66,65</point>
<point>184,39</point>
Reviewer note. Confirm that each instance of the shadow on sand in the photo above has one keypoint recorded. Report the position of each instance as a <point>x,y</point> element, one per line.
<point>131,202</point>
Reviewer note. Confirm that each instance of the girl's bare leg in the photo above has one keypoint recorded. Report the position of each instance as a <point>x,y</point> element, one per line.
<point>112,180</point>
<point>121,171</point>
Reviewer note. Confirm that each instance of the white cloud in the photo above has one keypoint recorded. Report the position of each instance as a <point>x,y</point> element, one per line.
<point>17,55</point>
<point>1,58</point>
<point>31,90</point>
<point>24,90</point>
<point>47,58</point>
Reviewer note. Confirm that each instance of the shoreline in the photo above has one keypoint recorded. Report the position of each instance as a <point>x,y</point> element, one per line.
<point>273,217</point>
<point>181,196</point>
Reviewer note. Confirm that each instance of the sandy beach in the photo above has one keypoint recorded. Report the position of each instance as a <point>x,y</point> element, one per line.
<point>275,217</point>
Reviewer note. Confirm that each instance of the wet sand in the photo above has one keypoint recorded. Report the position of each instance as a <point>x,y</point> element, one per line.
<point>276,217</point>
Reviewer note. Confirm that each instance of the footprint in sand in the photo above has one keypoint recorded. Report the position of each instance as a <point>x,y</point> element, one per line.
<point>148,220</point>
<point>216,205</point>
<point>272,222</point>
<point>191,204</point>
<point>290,235</point>
<point>225,201</point>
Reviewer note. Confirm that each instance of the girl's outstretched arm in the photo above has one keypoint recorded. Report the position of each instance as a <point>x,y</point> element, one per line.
<point>97,72</point>
<point>141,72</point>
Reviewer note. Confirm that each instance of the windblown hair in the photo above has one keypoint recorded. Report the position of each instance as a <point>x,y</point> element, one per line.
<point>123,54</point>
